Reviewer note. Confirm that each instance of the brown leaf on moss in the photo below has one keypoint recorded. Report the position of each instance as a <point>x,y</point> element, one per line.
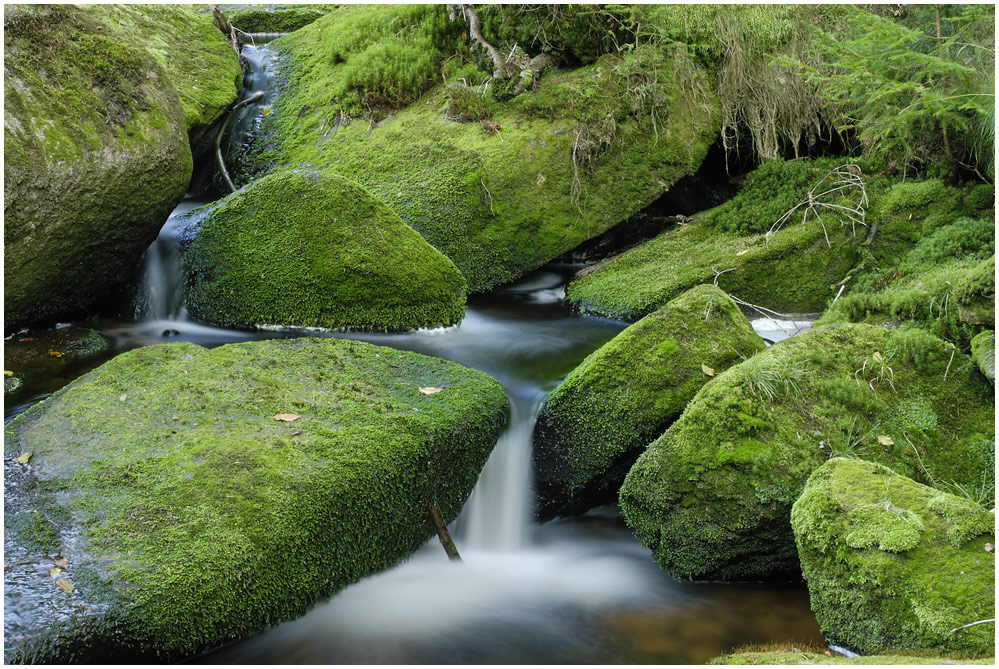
<point>707,370</point>
<point>286,417</point>
<point>430,391</point>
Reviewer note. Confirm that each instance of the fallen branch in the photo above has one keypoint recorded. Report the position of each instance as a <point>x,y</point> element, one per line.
<point>977,622</point>
<point>442,533</point>
<point>475,31</point>
<point>218,138</point>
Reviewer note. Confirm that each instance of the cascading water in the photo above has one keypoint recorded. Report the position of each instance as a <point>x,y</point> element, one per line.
<point>576,590</point>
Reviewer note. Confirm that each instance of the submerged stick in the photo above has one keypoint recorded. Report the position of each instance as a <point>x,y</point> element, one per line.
<point>442,533</point>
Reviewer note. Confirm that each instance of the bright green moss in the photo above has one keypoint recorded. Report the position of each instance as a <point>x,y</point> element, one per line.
<point>295,248</point>
<point>983,351</point>
<point>593,426</point>
<point>497,204</point>
<point>795,272</point>
<point>282,19</point>
<point>711,496</point>
<point>904,590</point>
<point>200,518</point>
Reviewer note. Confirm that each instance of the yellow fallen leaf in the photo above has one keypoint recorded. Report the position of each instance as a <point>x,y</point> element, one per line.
<point>54,571</point>
<point>430,391</point>
<point>707,370</point>
<point>266,111</point>
<point>885,440</point>
<point>877,357</point>
<point>57,354</point>
<point>24,457</point>
<point>62,562</point>
<point>7,372</point>
<point>286,417</point>
<point>743,252</point>
<point>64,585</point>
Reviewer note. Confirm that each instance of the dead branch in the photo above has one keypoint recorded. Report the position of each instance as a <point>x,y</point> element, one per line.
<point>442,533</point>
<point>845,178</point>
<point>475,31</point>
<point>977,622</point>
<point>218,138</point>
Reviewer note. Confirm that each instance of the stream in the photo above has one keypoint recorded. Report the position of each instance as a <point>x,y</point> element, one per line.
<point>578,590</point>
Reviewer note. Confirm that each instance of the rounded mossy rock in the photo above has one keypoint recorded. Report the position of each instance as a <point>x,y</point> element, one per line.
<point>280,19</point>
<point>202,495</point>
<point>983,351</point>
<point>711,497</point>
<point>593,427</point>
<point>811,656</point>
<point>551,168</point>
<point>96,147</point>
<point>316,250</point>
<point>893,564</point>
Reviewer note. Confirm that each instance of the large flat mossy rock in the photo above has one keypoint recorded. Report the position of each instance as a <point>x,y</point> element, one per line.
<point>314,249</point>
<point>554,166</point>
<point>893,564</point>
<point>593,427</point>
<point>276,19</point>
<point>712,496</point>
<point>194,507</point>
<point>96,145</point>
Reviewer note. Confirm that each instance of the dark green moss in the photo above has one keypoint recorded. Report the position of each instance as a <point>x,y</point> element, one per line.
<point>711,497</point>
<point>594,425</point>
<point>201,518</point>
<point>497,204</point>
<point>303,249</point>
<point>281,19</point>
<point>932,569</point>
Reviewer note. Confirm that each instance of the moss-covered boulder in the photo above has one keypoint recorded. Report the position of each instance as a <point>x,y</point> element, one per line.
<point>98,102</point>
<point>38,356</point>
<point>522,183</point>
<point>276,19</point>
<point>712,496</point>
<point>314,249</point>
<point>892,564</point>
<point>983,351</point>
<point>593,427</point>
<point>191,496</point>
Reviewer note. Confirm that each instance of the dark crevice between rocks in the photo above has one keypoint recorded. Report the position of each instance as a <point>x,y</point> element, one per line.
<point>711,185</point>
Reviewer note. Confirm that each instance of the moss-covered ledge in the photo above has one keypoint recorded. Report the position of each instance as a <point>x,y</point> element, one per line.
<point>201,495</point>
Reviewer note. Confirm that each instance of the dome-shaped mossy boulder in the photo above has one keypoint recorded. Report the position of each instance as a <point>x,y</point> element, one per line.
<point>316,250</point>
<point>593,427</point>
<point>190,496</point>
<point>712,496</point>
<point>893,564</point>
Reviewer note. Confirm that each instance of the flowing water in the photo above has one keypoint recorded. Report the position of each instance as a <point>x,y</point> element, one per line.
<point>579,590</point>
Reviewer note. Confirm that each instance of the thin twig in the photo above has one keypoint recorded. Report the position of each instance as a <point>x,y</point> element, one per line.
<point>977,622</point>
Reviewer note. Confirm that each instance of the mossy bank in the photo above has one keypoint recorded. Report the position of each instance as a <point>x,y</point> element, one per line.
<point>593,427</point>
<point>200,495</point>
<point>314,249</point>
<point>549,169</point>
<point>98,103</point>
<point>712,496</point>
<point>892,564</point>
